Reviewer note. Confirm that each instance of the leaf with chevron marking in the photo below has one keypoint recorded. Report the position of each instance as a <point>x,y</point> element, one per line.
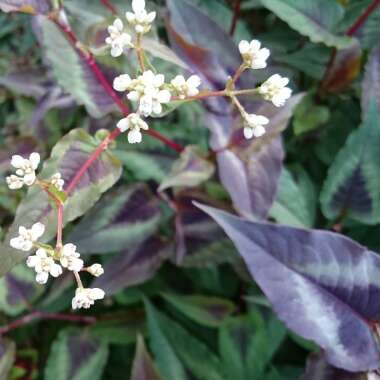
<point>352,187</point>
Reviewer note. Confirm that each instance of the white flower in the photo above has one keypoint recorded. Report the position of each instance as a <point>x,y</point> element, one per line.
<point>26,238</point>
<point>95,269</point>
<point>118,39</point>
<point>25,171</point>
<point>133,123</point>
<point>122,82</point>
<point>85,297</point>
<point>44,265</point>
<point>187,87</point>
<point>253,55</point>
<point>57,181</point>
<point>70,258</point>
<point>140,18</point>
<point>254,125</point>
<point>148,89</point>
<point>275,90</point>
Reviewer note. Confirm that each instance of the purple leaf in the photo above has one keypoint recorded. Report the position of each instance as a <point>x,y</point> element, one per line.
<point>134,266</point>
<point>318,369</point>
<point>70,70</point>
<point>75,353</point>
<point>324,286</point>
<point>19,290</point>
<point>250,171</point>
<point>371,82</point>
<point>143,367</point>
<point>122,218</point>
<point>190,170</point>
<point>199,240</point>
<point>27,6</point>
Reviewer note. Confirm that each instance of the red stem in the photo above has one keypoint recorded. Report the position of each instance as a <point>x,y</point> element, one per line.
<point>363,18</point>
<point>45,315</point>
<point>59,225</point>
<point>94,156</point>
<point>235,18</point>
<point>109,6</point>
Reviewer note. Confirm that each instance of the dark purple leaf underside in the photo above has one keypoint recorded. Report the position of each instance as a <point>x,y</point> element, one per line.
<point>134,266</point>
<point>371,82</point>
<point>322,285</point>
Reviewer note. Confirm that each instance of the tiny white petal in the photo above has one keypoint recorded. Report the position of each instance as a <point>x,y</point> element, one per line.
<point>35,158</point>
<point>42,277</point>
<point>37,231</point>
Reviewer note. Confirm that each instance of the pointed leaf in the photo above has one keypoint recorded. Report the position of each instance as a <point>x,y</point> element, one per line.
<point>143,367</point>
<point>190,170</point>
<point>312,18</point>
<point>126,216</point>
<point>134,266</point>
<point>167,360</point>
<point>352,187</point>
<point>207,311</point>
<point>322,285</point>
<point>371,81</point>
<point>195,355</point>
<point>68,155</point>
<point>76,356</point>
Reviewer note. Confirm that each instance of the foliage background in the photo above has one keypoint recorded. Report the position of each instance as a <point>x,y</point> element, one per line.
<point>172,277</point>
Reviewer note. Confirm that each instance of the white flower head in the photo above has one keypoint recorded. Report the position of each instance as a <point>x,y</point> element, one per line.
<point>254,125</point>
<point>27,237</point>
<point>57,181</point>
<point>85,297</point>
<point>140,18</point>
<point>133,123</point>
<point>70,258</point>
<point>25,171</point>
<point>184,88</point>
<point>95,269</point>
<point>44,265</point>
<point>118,39</point>
<point>274,89</point>
<point>148,89</point>
<point>253,55</point>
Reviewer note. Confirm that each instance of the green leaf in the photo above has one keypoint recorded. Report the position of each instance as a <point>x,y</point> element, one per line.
<point>352,187</point>
<point>76,356</point>
<point>292,206</point>
<point>309,116</point>
<point>143,367</point>
<point>197,357</point>
<point>312,18</point>
<point>190,170</point>
<point>207,311</point>
<point>167,360</point>
<point>72,72</point>
<point>7,357</point>
<point>126,216</point>
<point>67,157</point>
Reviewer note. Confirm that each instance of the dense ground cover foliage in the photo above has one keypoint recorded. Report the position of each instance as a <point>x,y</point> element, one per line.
<point>190,189</point>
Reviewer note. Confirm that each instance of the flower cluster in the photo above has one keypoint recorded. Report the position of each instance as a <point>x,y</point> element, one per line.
<point>140,19</point>
<point>273,89</point>
<point>25,171</point>
<point>48,261</point>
